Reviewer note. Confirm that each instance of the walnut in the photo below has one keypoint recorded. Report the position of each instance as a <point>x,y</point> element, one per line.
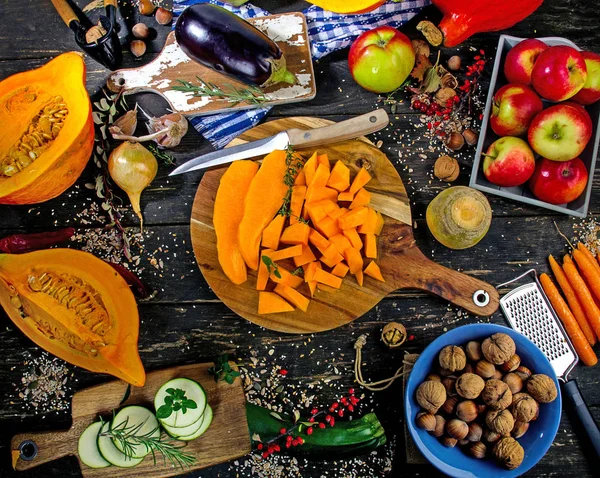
<point>509,452</point>
<point>431,395</point>
<point>393,334</point>
<point>443,95</point>
<point>469,385</point>
<point>446,169</point>
<point>542,388</point>
<point>498,348</point>
<point>452,358</point>
<point>500,421</point>
<point>431,33</point>
<point>524,408</point>
<point>496,394</point>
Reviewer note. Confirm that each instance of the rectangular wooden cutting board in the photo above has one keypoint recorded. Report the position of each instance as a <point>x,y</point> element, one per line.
<point>288,30</point>
<point>227,437</point>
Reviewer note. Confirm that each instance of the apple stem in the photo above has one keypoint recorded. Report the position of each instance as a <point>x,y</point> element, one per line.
<point>489,156</point>
<point>564,237</point>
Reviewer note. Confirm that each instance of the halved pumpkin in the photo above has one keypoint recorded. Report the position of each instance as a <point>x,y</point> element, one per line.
<point>51,160</point>
<point>348,6</point>
<point>75,306</point>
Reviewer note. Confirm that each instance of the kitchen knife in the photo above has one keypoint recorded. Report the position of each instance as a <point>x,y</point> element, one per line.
<point>344,130</point>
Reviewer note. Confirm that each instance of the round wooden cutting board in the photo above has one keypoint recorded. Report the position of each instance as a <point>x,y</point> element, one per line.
<point>402,263</point>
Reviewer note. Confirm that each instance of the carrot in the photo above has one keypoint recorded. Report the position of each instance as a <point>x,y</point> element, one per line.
<point>589,255</point>
<point>579,341</point>
<point>583,293</point>
<point>573,301</point>
<point>588,271</point>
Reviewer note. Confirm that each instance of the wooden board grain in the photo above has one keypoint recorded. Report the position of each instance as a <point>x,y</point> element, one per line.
<point>401,262</point>
<point>226,438</point>
<point>288,30</point>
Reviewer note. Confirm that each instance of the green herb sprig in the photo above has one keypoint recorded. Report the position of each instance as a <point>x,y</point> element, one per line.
<point>174,402</point>
<point>250,94</point>
<point>165,157</point>
<point>222,370</point>
<point>271,266</point>
<point>294,164</point>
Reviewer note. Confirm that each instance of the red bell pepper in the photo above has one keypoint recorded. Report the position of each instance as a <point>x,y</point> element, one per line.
<point>463,18</point>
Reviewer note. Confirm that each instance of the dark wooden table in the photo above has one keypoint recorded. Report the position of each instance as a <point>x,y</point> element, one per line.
<point>186,323</point>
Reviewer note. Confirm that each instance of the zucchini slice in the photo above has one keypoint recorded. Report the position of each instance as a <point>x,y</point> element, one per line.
<point>193,391</point>
<point>184,431</point>
<point>142,421</point>
<point>206,421</point>
<point>111,453</point>
<point>87,447</point>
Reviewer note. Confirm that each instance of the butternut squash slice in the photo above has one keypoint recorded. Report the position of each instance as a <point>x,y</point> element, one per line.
<point>293,297</point>
<point>271,303</point>
<point>362,198</point>
<point>263,201</point>
<point>74,306</point>
<point>361,178</point>
<point>272,233</point>
<point>306,257</point>
<point>340,270</point>
<point>296,202</point>
<point>228,212</point>
<point>326,278</point>
<point>339,179</point>
<point>373,270</point>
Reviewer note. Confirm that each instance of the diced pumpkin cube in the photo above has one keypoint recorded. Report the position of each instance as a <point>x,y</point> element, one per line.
<point>296,234</point>
<point>345,196</point>
<point>263,270</point>
<point>293,296</point>
<point>310,167</point>
<point>271,303</point>
<point>341,241</point>
<point>306,257</point>
<point>361,178</point>
<point>317,193</point>
<point>337,213</point>
<point>300,178</point>
<point>319,241</point>
<point>359,277</point>
<point>371,246</point>
<point>315,213</point>
<point>312,287</point>
<point>379,223</point>
<point>340,270</point>
<point>309,273</point>
<point>272,233</point>
<point>354,238</point>
<point>353,218</point>
<point>331,251</point>
<point>331,262</point>
<point>327,226</point>
<point>327,205</point>
<point>370,224</point>
<point>361,198</point>
<point>339,179</point>
<point>296,202</point>
<point>326,278</point>
<point>374,271</point>
<point>286,278</point>
<point>353,259</point>
<point>320,178</point>
<point>286,253</point>
<point>324,160</point>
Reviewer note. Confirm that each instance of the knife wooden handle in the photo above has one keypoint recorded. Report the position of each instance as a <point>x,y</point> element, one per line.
<point>349,129</point>
<point>65,11</point>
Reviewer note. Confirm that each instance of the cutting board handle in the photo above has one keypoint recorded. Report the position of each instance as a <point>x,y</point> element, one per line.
<point>29,450</point>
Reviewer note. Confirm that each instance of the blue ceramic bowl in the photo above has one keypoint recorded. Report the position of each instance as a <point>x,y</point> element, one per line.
<point>455,462</point>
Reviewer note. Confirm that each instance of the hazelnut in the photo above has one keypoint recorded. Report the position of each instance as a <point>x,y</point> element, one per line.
<point>500,421</point>
<point>484,369</point>
<point>446,169</point>
<point>542,388</point>
<point>448,383</point>
<point>466,411</point>
<point>477,450</point>
<point>146,7</point>
<point>393,334</point>
<point>434,377</point>
<point>454,63</point>
<point>431,395</point>
<point>440,426</point>
<point>475,431</point>
<point>524,408</point>
<point>498,348</point>
<point>449,405</point>
<point>514,382</point>
<point>426,421</point>
<point>511,364</point>
<point>457,428</point>
<point>463,442</point>
<point>498,375</point>
<point>523,372</point>
<point>137,47</point>
<point>496,394</point>
<point>519,429</point>
<point>473,351</point>
<point>471,137</point>
<point>509,452</point>
<point>469,385</point>
<point>140,30</point>
<point>163,16</point>
<point>490,436</point>
<point>481,408</point>
<point>455,141</point>
<point>449,441</point>
<point>452,358</point>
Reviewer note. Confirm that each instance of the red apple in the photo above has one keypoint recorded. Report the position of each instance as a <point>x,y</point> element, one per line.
<point>559,73</point>
<point>560,133</point>
<point>381,59</point>
<point>508,162</point>
<point>513,108</point>
<point>559,183</point>
<point>519,61</point>
<point>580,108</point>
<point>590,93</point>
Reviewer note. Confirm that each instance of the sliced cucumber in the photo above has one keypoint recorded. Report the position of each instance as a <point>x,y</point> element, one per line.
<point>206,421</point>
<point>183,431</point>
<point>193,391</point>
<point>87,447</point>
<point>142,422</point>
<point>111,453</point>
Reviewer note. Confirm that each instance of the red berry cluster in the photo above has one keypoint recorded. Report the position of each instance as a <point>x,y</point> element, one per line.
<point>473,72</point>
<point>434,109</point>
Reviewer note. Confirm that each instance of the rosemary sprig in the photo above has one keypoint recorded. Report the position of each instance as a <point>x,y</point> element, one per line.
<point>128,438</point>
<point>250,94</point>
<point>165,157</point>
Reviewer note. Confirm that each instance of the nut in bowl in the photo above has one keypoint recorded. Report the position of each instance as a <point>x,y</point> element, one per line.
<point>484,456</point>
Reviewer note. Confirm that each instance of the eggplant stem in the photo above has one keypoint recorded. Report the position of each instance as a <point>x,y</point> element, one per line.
<point>140,139</point>
<point>280,73</point>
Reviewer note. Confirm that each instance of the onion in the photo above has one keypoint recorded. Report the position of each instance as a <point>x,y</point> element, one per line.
<point>132,167</point>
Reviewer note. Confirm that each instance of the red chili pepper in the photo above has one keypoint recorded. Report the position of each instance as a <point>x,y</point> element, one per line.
<point>21,243</point>
<point>133,280</point>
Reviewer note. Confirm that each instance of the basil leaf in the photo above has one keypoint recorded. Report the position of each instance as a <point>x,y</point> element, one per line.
<point>164,412</point>
<point>229,379</point>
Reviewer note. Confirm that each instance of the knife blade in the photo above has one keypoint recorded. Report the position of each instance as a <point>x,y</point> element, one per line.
<point>344,130</point>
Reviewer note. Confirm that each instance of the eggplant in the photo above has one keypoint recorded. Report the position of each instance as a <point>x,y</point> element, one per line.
<point>224,42</point>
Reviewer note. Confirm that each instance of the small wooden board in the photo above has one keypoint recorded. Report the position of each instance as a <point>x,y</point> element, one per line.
<point>227,437</point>
<point>402,264</point>
<point>288,30</point>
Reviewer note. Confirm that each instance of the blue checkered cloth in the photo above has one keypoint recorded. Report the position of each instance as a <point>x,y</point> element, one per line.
<point>327,31</point>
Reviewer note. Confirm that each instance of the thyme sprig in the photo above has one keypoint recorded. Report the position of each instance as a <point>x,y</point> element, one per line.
<point>235,95</point>
<point>126,435</point>
<point>294,164</point>
<point>165,157</point>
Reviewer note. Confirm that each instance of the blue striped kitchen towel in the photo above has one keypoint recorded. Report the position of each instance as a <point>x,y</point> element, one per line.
<point>327,31</point>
